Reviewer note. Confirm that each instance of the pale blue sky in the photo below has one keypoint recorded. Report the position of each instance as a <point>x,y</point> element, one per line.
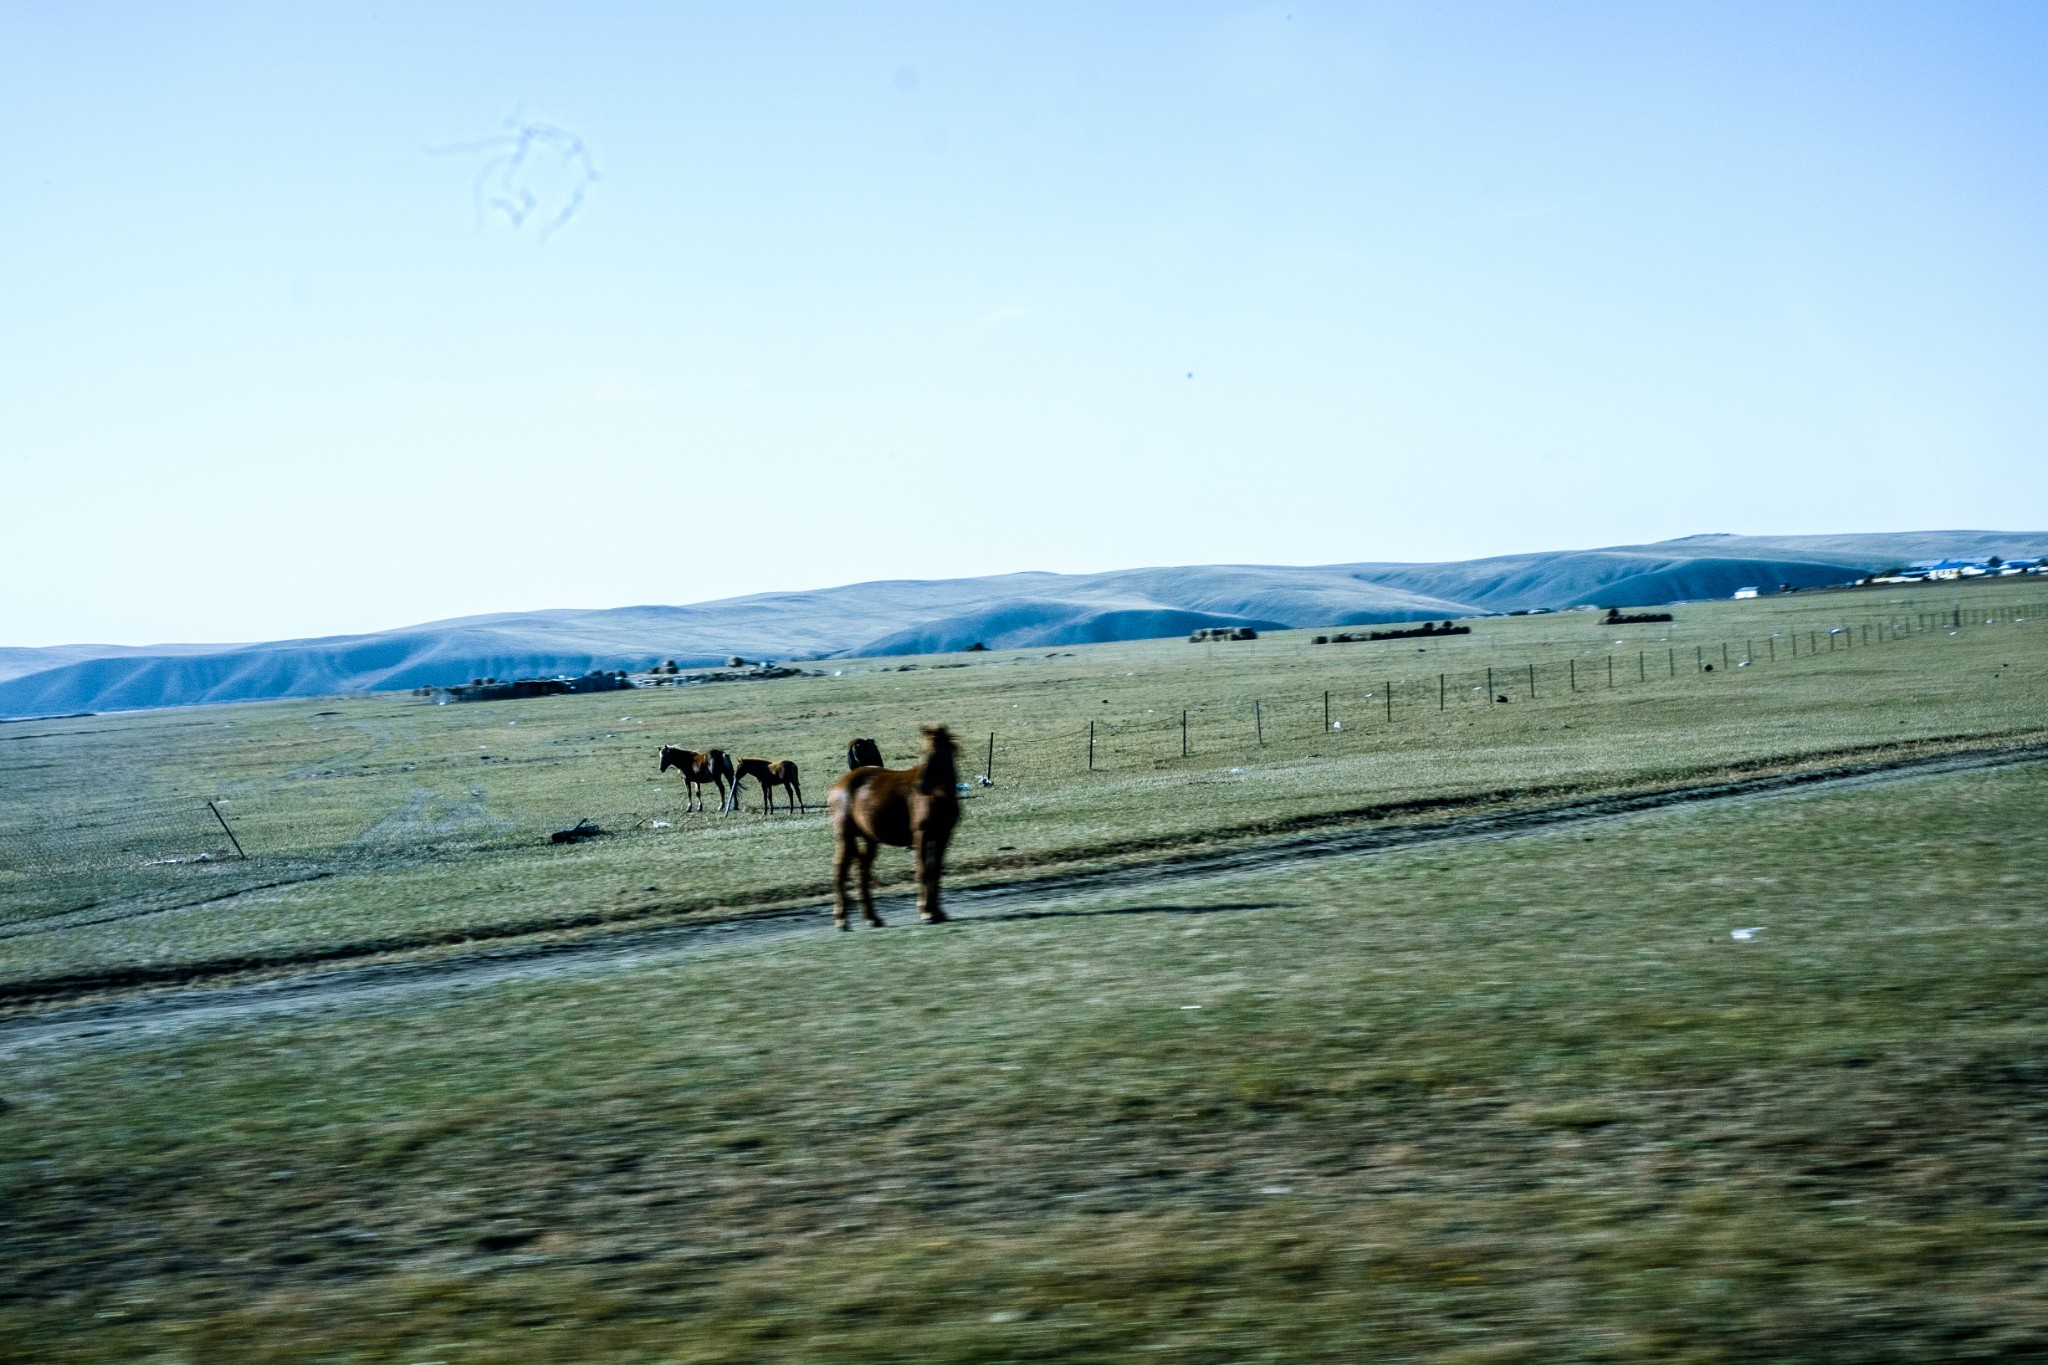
<point>915,291</point>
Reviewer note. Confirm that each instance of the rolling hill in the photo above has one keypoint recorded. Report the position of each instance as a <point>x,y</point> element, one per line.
<point>1008,611</point>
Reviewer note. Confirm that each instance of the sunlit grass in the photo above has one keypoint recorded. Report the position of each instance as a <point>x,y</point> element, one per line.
<point>1521,1100</point>
<point>384,821</point>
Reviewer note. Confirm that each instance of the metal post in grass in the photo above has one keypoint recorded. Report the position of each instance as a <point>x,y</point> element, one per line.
<point>1673,652</point>
<point>1439,691</point>
<point>1571,671</point>
<point>1183,734</point>
<point>230,833</point>
<point>1724,656</point>
<point>989,769</point>
<point>1532,682</point>
<point>1748,651</point>
<point>1326,713</point>
<point>1610,673</point>
<point>1091,746</point>
<point>1699,658</point>
<point>1642,669</point>
<point>1390,702</point>
<point>1258,725</point>
<point>1489,686</point>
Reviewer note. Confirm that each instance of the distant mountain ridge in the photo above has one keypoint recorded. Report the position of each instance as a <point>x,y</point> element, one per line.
<point>1006,611</point>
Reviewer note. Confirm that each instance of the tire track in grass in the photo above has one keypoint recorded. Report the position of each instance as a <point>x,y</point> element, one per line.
<point>329,990</point>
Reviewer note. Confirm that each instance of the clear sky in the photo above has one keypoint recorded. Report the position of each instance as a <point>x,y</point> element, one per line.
<point>878,291</point>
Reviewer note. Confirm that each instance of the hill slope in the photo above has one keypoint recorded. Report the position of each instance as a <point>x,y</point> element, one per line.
<point>1007,611</point>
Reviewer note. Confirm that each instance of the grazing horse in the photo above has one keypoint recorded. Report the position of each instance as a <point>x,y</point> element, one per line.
<point>780,772</point>
<point>698,768</point>
<point>863,753</point>
<point>917,809</point>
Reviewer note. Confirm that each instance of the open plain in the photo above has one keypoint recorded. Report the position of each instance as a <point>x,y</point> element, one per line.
<point>1413,1027</point>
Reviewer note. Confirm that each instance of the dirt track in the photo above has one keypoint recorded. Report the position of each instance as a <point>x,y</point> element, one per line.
<point>333,990</point>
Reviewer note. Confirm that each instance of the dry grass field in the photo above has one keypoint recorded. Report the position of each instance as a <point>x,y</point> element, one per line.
<point>1514,1098</point>
<point>384,823</point>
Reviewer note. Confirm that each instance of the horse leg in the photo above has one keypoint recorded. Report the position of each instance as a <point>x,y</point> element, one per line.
<point>689,795</point>
<point>930,855</point>
<point>842,859</point>
<point>867,882</point>
<point>801,808</point>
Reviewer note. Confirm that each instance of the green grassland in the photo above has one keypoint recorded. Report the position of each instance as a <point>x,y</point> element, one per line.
<point>1522,1100</point>
<point>384,823</point>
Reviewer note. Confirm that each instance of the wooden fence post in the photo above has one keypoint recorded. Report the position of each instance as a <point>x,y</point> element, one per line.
<point>230,833</point>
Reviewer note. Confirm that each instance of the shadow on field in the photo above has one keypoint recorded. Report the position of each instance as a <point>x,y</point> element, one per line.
<point>1220,907</point>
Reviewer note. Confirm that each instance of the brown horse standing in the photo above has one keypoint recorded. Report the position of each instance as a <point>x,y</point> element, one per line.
<point>916,809</point>
<point>698,768</point>
<point>780,772</point>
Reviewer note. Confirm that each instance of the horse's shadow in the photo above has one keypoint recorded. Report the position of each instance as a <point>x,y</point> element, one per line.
<point>1219,908</point>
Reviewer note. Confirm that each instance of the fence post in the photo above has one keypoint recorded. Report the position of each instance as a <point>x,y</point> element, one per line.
<point>1673,652</point>
<point>1642,669</point>
<point>1532,682</point>
<point>230,833</point>
<point>1610,672</point>
<point>1183,734</point>
<point>989,770</point>
<point>1326,713</point>
<point>1258,724</point>
<point>1571,667</point>
<point>1390,701</point>
<point>1724,656</point>
<point>1091,746</point>
<point>1489,687</point>
<point>1439,691</point>
<point>1699,658</point>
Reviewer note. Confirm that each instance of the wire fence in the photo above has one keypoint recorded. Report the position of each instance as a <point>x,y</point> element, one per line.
<point>1205,728</point>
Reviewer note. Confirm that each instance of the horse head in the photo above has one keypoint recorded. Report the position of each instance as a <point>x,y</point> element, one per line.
<point>671,757</point>
<point>940,772</point>
<point>863,753</point>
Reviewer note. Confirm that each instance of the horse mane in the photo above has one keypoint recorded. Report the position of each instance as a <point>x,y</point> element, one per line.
<point>938,773</point>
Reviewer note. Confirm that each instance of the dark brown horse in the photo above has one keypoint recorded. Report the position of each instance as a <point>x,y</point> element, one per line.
<point>916,810</point>
<point>863,753</point>
<point>779,772</point>
<point>698,768</point>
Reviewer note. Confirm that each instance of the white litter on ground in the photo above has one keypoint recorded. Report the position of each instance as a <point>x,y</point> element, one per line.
<point>661,824</point>
<point>1745,935</point>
